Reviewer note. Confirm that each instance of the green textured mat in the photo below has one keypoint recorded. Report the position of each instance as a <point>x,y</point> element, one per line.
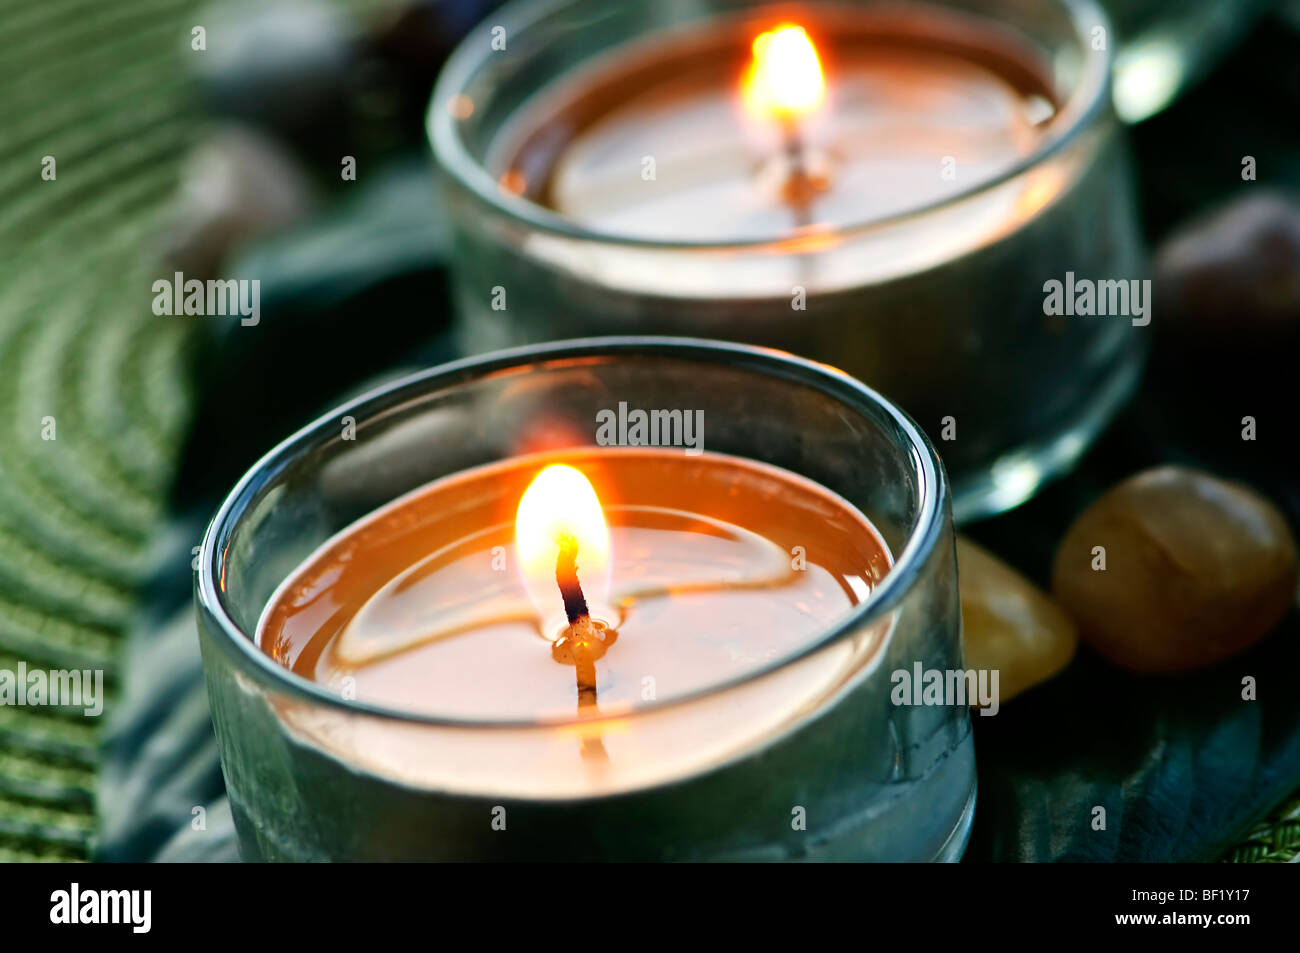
<point>1277,840</point>
<point>103,87</point>
<point>100,88</point>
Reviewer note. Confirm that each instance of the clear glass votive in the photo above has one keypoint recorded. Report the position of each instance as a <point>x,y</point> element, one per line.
<point>942,308</point>
<point>313,775</point>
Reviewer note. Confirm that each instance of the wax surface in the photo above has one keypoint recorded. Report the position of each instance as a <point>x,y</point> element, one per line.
<point>719,567</point>
<point>654,143</point>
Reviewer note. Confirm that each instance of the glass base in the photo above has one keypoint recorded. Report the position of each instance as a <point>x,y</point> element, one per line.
<point>1015,477</point>
<point>257,849</point>
<point>925,822</point>
<point>955,846</point>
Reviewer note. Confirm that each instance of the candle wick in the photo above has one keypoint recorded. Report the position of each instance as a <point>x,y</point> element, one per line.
<point>801,184</point>
<point>566,575</point>
<point>583,642</point>
<point>794,150</point>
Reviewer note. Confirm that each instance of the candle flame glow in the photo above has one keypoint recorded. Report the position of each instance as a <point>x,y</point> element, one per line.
<point>561,502</point>
<point>784,79</point>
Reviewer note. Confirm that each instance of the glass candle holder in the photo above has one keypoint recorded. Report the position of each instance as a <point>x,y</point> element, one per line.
<point>1166,46</point>
<point>941,307</point>
<point>313,775</point>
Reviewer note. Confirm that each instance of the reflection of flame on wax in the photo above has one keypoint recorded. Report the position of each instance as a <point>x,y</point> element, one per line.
<point>784,80</point>
<point>559,503</point>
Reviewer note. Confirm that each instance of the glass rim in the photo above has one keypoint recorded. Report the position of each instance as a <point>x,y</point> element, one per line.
<point>242,647</point>
<point>1084,108</point>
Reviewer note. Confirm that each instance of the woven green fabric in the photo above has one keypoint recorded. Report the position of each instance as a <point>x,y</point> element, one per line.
<point>100,88</point>
<point>103,88</point>
<point>1276,840</point>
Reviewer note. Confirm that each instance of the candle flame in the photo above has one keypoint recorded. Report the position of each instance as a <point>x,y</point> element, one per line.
<point>784,80</point>
<point>561,503</point>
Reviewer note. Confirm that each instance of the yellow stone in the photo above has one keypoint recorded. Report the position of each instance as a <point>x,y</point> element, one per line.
<point>1008,624</point>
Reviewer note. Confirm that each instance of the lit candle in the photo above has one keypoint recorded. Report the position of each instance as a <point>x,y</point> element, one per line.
<point>691,585</point>
<point>884,187</point>
<point>605,646</point>
<point>756,143</point>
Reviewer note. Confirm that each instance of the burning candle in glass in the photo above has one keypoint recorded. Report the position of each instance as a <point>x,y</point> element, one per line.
<point>539,647</point>
<point>883,187</point>
<point>691,585</point>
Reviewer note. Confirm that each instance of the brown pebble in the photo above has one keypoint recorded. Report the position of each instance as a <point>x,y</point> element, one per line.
<point>236,185</point>
<point>1009,624</point>
<point>1238,268</point>
<point>1196,570</point>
